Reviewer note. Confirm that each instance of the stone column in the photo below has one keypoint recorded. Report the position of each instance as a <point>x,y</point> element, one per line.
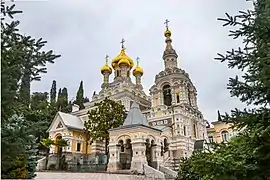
<point>138,79</point>
<point>106,77</point>
<point>156,155</point>
<point>161,97</point>
<point>138,158</point>
<point>152,100</point>
<point>173,95</point>
<point>114,160</point>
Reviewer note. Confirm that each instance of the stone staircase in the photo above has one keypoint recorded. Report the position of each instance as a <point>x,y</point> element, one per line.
<point>173,164</point>
<point>41,162</point>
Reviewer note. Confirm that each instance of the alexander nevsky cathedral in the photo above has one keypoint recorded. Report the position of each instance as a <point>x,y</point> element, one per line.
<point>160,128</point>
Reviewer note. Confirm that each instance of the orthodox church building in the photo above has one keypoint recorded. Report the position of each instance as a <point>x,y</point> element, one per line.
<point>168,121</point>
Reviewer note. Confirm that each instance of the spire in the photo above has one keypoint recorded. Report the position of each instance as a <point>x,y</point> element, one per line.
<point>169,49</point>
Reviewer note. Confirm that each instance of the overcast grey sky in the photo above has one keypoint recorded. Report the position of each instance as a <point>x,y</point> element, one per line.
<point>83,32</point>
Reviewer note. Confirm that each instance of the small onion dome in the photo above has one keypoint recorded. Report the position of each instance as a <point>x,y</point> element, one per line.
<point>106,67</point>
<point>123,58</point>
<point>167,33</point>
<point>124,62</point>
<point>138,69</point>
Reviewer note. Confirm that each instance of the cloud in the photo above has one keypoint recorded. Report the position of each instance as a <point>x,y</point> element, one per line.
<point>83,32</point>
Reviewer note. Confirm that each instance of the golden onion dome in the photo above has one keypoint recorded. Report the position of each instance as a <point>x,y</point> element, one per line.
<point>122,55</point>
<point>106,67</point>
<point>138,69</point>
<point>167,33</point>
<point>124,61</point>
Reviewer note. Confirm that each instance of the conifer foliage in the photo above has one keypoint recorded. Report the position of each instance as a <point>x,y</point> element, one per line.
<point>53,93</point>
<point>247,156</point>
<point>22,61</point>
<point>80,96</point>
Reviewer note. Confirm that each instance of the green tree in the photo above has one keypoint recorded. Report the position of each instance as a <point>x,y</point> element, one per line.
<point>80,96</point>
<point>107,114</point>
<point>39,113</point>
<point>60,143</point>
<point>62,103</point>
<point>22,61</point>
<point>247,156</point>
<point>53,93</point>
<point>47,143</point>
<point>64,96</point>
<point>18,156</point>
<point>59,100</point>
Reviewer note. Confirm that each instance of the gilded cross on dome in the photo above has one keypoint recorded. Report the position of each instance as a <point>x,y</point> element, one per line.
<point>122,42</point>
<point>106,59</point>
<point>137,59</point>
<point>166,23</point>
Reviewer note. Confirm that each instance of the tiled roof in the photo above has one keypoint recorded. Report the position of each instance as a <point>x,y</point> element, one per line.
<point>71,120</point>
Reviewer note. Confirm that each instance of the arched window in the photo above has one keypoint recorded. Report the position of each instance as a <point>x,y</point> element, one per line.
<point>166,145</point>
<point>189,96</point>
<point>121,143</point>
<point>167,96</point>
<point>225,136</point>
<point>211,139</point>
<point>177,98</point>
<point>194,131</point>
<point>117,73</point>
<point>78,147</point>
<point>162,148</point>
<point>185,131</point>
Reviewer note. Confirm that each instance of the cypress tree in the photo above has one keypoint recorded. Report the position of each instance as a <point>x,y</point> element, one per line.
<point>64,96</point>
<point>59,100</point>
<point>219,116</point>
<point>53,92</point>
<point>79,97</point>
<point>65,105</point>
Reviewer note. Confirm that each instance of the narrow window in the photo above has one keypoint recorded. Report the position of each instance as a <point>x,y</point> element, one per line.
<point>194,131</point>
<point>78,147</point>
<point>167,96</point>
<point>177,98</point>
<point>225,136</point>
<point>211,139</point>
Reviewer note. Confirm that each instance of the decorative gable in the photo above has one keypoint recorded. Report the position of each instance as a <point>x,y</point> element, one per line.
<point>60,125</point>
